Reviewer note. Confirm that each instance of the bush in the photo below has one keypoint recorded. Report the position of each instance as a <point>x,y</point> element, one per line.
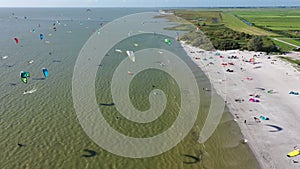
<point>296,49</point>
<point>225,44</point>
<point>255,43</point>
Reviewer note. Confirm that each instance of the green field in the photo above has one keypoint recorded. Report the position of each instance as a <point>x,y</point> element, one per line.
<point>295,41</point>
<point>284,47</point>
<point>199,16</point>
<point>273,19</point>
<point>235,26</point>
<point>283,22</point>
<point>216,17</point>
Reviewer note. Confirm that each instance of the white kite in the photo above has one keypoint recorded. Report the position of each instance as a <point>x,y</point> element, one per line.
<point>131,55</point>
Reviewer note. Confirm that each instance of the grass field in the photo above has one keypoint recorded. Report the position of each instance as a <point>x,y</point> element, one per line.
<point>285,22</point>
<point>284,47</point>
<point>273,19</point>
<point>195,16</point>
<point>236,24</point>
<point>295,41</point>
<point>221,18</point>
<point>231,24</point>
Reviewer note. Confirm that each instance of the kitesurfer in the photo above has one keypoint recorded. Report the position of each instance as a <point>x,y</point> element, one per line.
<point>21,145</point>
<point>256,119</point>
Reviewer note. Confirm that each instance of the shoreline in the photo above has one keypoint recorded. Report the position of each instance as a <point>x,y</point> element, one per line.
<point>270,80</point>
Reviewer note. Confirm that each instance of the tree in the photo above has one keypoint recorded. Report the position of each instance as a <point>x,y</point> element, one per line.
<point>243,34</point>
<point>225,44</point>
<point>248,36</point>
<point>255,43</point>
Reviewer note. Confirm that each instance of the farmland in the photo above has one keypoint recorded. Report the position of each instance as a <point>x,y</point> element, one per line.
<point>295,41</point>
<point>237,26</point>
<point>283,22</point>
<point>231,21</point>
<point>273,19</point>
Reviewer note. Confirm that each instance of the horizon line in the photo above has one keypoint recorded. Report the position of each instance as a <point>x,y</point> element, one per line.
<point>282,6</point>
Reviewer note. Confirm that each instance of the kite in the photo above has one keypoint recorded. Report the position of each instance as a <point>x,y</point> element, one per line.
<point>24,76</point>
<point>41,36</point>
<point>16,40</point>
<point>131,55</point>
<point>45,72</point>
<point>168,41</point>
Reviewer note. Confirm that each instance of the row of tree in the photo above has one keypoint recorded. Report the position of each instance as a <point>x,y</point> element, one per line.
<point>256,43</point>
<point>223,38</point>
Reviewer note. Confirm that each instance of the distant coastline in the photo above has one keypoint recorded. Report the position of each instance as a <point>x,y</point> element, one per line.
<point>156,7</point>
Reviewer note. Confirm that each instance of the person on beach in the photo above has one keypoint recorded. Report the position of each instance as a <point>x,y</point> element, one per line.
<point>296,147</point>
<point>237,116</point>
<point>257,120</point>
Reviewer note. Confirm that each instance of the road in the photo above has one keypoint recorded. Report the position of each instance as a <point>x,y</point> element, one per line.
<point>286,43</point>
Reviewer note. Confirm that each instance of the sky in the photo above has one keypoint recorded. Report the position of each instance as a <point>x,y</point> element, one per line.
<point>146,3</point>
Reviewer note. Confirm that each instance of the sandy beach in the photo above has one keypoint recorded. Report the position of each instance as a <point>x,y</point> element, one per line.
<point>267,80</point>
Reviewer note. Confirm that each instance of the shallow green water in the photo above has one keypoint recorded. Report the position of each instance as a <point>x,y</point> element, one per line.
<point>46,122</point>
